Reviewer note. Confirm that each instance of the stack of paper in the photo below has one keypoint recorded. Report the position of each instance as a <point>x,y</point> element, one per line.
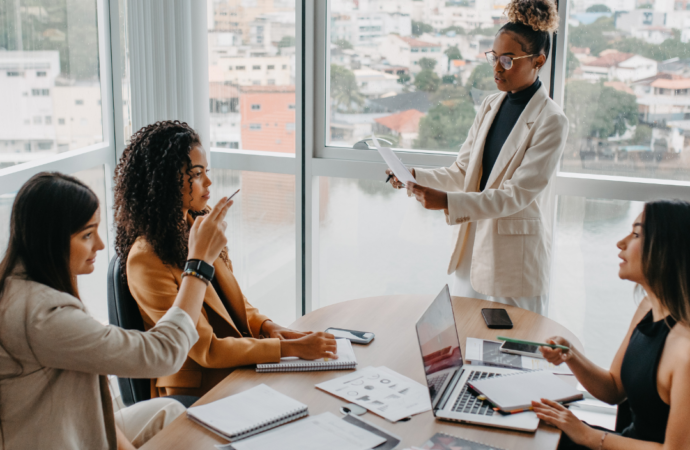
<point>382,391</point>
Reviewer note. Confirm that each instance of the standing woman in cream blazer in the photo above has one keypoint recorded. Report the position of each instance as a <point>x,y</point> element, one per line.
<point>55,357</point>
<point>499,190</point>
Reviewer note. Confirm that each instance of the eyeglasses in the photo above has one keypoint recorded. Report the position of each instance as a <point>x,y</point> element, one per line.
<point>505,60</point>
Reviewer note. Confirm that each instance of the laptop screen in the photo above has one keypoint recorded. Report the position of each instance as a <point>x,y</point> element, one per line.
<point>439,344</point>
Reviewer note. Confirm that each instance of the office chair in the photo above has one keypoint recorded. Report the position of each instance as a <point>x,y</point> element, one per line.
<point>124,313</point>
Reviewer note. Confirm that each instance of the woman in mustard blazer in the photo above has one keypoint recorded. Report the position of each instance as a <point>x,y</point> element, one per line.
<point>162,184</point>
<point>499,191</point>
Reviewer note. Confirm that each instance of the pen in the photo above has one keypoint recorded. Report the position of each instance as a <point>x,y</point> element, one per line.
<point>389,178</point>
<point>513,412</point>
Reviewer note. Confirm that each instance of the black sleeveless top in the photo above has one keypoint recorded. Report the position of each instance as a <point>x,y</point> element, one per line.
<point>638,374</point>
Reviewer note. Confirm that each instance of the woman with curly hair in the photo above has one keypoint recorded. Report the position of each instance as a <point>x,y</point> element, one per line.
<point>161,185</point>
<point>499,190</point>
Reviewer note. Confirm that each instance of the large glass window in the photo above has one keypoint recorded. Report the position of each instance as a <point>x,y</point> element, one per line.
<point>411,72</point>
<point>587,297</point>
<point>49,73</point>
<point>261,238</point>
<point>252,74</point>
<point>627,89</point>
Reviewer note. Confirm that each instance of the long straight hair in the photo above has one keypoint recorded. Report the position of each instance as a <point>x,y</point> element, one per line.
<point>47,211</point>
<point>666,255</point>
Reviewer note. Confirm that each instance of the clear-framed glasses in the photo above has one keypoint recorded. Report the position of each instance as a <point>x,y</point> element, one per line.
<point>505,60</point>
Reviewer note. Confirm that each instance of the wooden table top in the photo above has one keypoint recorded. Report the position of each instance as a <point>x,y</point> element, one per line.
<point>392,319</point>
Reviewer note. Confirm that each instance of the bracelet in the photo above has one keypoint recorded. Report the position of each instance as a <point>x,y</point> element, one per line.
<point>601,443</point>
<point>197,275</point>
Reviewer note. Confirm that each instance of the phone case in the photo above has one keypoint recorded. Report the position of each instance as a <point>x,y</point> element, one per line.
<point>496,326</point>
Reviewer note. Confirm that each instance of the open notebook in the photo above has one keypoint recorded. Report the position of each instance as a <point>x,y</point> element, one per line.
<point>247,413</point>
<point>515,392</point>
<point>346,360</point>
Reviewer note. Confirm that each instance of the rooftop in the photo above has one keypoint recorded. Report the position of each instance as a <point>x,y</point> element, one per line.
<point>610,58</point>
<point>677,83</point>
<point>221,90</point>
<point>402,102</point>
<point>403,122</point>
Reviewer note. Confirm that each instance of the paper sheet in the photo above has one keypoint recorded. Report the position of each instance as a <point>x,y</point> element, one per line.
<point>482,351</point>
<point>313,433</point>
<point>382,391</point>
<point>394,164</point>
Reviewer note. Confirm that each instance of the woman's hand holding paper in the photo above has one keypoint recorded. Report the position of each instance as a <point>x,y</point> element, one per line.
<point>432,199</point>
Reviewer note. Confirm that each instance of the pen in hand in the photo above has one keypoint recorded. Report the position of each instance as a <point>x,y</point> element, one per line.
<point>389,178</point>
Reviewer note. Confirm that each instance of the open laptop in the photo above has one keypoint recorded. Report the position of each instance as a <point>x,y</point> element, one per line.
<point>446,375</point>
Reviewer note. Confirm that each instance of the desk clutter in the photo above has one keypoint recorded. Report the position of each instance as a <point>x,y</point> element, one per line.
<point>346,360</point>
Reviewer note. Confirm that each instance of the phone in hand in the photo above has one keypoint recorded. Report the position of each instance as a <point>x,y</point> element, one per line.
<point>497,318</point>
<point>521,349</point>
<point>356,337</point>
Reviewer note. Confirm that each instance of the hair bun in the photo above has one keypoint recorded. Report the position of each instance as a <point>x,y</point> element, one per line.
<point>541,15</point>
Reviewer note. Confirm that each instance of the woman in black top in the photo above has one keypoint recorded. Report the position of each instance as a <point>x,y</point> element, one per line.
<point>652,366</point>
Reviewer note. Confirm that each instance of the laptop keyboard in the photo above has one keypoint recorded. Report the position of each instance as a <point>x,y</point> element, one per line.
<point>467,402</point>
<point>436,383</point>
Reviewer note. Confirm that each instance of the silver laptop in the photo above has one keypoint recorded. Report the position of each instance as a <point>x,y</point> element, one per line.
<point>446,375</point>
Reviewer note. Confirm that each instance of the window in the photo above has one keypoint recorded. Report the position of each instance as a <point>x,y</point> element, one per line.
<point>79,102</point>
<point>61,121</point>
<point>256,107</point>
<point>48,120</point>
<point>239,67</point>
<point>37,120</point>
<point>290,126</point>
<point>12,73</point>
<point>45,92</point>
<point>291,106</point>
<point>270,67</point>
<point>35,92</point>
<point>255,126</point>
<point>256,67</point>
<point>41,74</point>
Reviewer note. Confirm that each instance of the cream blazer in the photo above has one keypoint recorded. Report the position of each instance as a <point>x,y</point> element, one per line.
<point>53,358</point>
<point>514,214</point>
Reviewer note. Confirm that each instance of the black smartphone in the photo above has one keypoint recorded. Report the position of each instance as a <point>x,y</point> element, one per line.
<point>356,337</point>
<point>497,318</point>
<point>521,349</point>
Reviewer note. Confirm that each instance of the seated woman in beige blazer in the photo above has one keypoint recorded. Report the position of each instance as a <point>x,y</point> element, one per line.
<point>500,189</point>
<point>54,357</point>
<point>162,183</point>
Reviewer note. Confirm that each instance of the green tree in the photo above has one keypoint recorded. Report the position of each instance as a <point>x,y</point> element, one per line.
<point>482,78</point>
<point>452,53</point>
<point>427,81</point>
<point>455,29</point>
<point>286,41</point>
<point>344,90</point>
<point>486,31</point>
<point>343,44</point>
<point>419,28</point>
<point>446,125</point>
<point>427,63</point>
<point>592,36</point>
<point>598,8</point>
<point>404,78</point>
<point>642,135</point>
<point>598,111</point>
<point>571,63</point>
<point>449,79</point>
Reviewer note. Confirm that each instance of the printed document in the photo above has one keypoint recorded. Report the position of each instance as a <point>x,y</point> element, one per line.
<point>394,164</point>
<point>382,391</point>
<point>313,433</point>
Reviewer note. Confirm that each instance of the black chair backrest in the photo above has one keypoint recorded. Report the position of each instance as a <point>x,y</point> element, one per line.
<point>124,312</point>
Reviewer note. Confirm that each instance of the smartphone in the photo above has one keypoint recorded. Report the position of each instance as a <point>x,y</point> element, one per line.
<point>497,318</point>
<point>521,349</point>
<point>356,337</point>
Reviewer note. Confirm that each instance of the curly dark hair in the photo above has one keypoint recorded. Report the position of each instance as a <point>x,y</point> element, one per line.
<point>148,191</point>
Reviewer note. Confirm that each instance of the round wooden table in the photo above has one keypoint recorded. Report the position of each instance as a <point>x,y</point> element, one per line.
<point>392,319</point>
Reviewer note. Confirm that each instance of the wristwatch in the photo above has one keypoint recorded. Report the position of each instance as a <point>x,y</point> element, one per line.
<point>200,269</point>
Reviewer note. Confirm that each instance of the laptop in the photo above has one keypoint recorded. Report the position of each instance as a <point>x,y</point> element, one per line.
<point>447,376</point>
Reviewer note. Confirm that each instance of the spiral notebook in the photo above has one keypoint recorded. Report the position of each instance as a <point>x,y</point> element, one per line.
<point>248,413</point>
<point>346,360</point>
<point>515,392</point>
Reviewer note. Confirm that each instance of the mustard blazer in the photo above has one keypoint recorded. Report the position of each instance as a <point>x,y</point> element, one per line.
<point>514,214</point>
<point>223,343</point>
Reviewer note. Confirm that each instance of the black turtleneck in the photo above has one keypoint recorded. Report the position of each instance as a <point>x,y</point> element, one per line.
<point>506,118</point>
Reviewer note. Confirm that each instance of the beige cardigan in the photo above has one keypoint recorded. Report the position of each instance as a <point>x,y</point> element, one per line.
<point>514,214</point>
<point>59,398</point>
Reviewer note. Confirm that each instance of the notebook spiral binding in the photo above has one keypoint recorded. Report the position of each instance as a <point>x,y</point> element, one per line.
<point>492,447</point>
<point>289,416</point>
<point>287,367</point>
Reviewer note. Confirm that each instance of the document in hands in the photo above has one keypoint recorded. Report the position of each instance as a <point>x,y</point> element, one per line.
<point>314,433</point>
<point>394,164</point>
<point>247,413</point>
<point>382,391</point>
<point>346,360</point>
